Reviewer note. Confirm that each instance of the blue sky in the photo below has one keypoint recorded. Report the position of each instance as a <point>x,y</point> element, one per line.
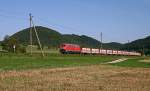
<point>118,20</point>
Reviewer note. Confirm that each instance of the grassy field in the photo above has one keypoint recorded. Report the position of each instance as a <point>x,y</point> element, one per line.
<point>21,62</point>
<point>56,72</point>
<point>45,49</point>
<point>135,62</point>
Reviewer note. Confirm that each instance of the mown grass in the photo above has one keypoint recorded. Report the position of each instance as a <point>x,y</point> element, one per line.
<point>21,62</point>
<point>135,62</point>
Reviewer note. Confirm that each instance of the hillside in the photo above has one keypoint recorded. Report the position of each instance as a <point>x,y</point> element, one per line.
<point>83,40</point>
<point>50,37</point>
<point>46,35</point>
<point>113,45</point>
<point>141,45</point>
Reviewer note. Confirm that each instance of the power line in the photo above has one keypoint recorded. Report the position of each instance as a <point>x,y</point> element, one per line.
<point>56,25</point>
<point>12,14</point>
<point>6,16</point>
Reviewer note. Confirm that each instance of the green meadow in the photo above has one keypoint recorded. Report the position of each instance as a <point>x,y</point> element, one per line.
<point>21,62</point>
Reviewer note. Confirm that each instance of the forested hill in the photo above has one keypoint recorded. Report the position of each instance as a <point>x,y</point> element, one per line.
<point>113,45</point>
<point>141,45</point>
<point>50,37</point>
<point>47,36</point>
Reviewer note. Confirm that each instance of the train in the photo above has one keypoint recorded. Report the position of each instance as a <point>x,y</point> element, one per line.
<point>66,48</point>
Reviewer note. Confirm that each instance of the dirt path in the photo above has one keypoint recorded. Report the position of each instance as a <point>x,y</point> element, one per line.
<point>117,61</point>
<point>145,61</point>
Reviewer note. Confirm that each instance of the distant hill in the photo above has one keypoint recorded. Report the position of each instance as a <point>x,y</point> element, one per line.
<point>50,37</point>
<point>83,40</point>
<point>47,36</point>
<point>113,45</point>
<point>141,45</point>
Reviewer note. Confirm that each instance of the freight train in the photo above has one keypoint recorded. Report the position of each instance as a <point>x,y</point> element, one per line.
<point>76,49</point>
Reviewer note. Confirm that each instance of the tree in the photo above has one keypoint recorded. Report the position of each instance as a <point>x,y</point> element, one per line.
<point>6,37</point>
<point>9,44</point>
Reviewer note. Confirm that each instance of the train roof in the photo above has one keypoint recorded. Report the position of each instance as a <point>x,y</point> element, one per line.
<point>70,44</point>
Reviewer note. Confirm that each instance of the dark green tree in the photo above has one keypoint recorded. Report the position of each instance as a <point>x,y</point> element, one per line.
<point>12,45</point>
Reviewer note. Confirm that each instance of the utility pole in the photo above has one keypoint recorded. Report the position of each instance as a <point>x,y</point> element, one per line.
<point>38,39</point>
<point>101,40</point>
<point>32,23</point>
<point>143,50</point>
<point>128,45</point>
<point>30,33</point>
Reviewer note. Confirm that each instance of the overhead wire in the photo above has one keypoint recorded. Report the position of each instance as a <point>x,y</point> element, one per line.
<point>56,25</point>
<point>19,15</point>
<point>40,21</point>
<point>12,16</point>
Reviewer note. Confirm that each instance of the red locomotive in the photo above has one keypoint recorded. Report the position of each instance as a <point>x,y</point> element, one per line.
<point>76,49</point>
<point>70,48</point>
